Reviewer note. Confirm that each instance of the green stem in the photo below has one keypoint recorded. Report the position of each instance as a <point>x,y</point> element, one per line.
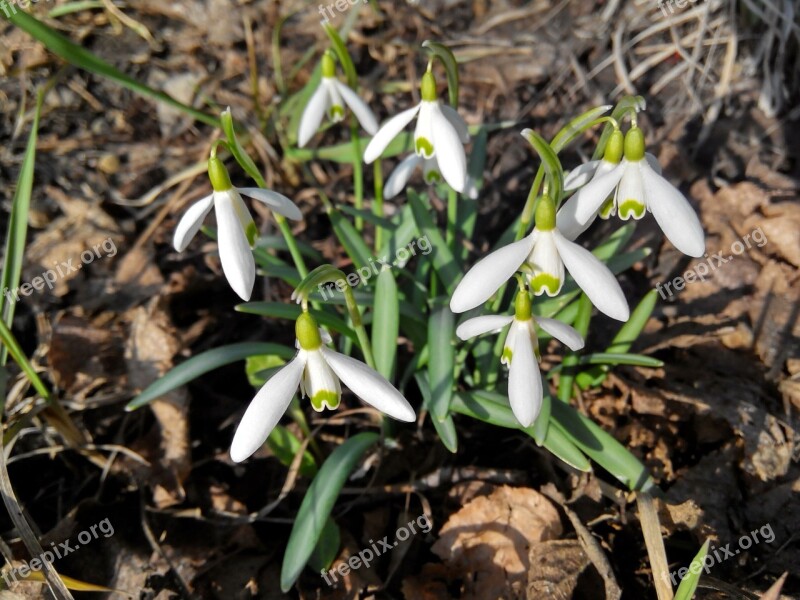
<point>571,360</point>
<point>291,242</point>
<point>452,219</point>
<point>358,172</point>
<point>377,206</point>
<point>358,326</point>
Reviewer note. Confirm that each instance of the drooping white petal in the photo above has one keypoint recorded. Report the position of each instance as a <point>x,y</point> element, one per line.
<point>360,109</point>
<point>594,278</point>
<point>430,171</point>
<point>562,332</point>
<point>266,409</point>
<point>630,193</point>
<point>547,274</point>
<point>399,178</point>
<point>653,162</point>
<point>580,176</point>
<point>312,115</point>
<point>489,273</point>
<point>387,133</point>
<point>450,154</point>
<point>480,325</point>
<point>673,213</point>
<point>277,202</point>
<point>369,386</point>
<point>234,249</point>
<point>590,197</point>
<point>524,379</point>
<point>334,105</point>
<point>319,382</point>
<point>424,137</point>
<point>457,121</point>
<point>567,223</point>
<point>191,222</point>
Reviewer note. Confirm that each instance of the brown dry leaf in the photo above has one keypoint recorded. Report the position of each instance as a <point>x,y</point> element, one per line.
<point>556,566</point>
<point>151,348</point>
<point>489,539</point>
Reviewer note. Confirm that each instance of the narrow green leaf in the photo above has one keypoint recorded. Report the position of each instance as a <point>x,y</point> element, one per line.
<point>446,427</point>
<point>385,324</point>
<point>318,503</point>
<point>203,363</point>
<point>351,240</point>
<point>444,54</point>
<point>577,126</point>
<point>15,350</point>
<point>689,583</point>
<point>78,56</point>
<point>441,366</point>
<point>367,215</point>
<point>581,325</point>
<point>443,260</point>
<point>327,547</point>
<point>285,446</point>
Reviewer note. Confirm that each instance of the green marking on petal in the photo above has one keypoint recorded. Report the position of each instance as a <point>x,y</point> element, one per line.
<point>423,147</point>
<point>432,177</point>
<point>506,356</point>
<point>544,282</point>
<point>631,208</point>
<point>608,209</point>
<point>325,399</point>
<point>252,233</point>
<point>336,113</point>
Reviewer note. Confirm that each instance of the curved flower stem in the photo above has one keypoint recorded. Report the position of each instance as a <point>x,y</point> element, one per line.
<point>358,325</point>
<point>377,206</point>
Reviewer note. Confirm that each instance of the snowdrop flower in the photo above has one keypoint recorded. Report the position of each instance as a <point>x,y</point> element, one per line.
<point>542,256</point>
<point>430,170</point>
<point>236,231</point>
<point>440,133</point>
<point>330,97</point>
<point>521,352</point>
<point>630,189</point>
<point>317,371</point>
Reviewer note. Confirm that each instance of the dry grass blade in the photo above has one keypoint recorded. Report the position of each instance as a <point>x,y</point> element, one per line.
<point>651,529</point>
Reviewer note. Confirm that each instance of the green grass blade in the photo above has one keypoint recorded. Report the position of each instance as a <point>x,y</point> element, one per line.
<point>689,583</point>
<point>18,227</point>
<point>317,504</point>
<point>203,363</point>
<point>385,324</point>
<point>78,56</point>
<point>15,350</point>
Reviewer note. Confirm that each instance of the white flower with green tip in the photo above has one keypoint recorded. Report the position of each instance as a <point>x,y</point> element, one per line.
<point>330,98</point>
<point>630,188</point>
<point>521,352</point>
<point>542,257</point>
<point>236,231</point>
<point>440,133</point>
<point>317,371</point>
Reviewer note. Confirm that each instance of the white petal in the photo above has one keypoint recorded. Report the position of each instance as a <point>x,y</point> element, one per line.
<point>653,162</point>
<point>562,332</point>
<point>594,278</point>
<point>334,107</point>
<point>580,176</point>
<point>545,263</point>
<point>266,409</point>
<point>458,123</point>
<point>387,133</point>
<point>370,386</point>
<point>489,273</point>
<point>674,214</point>
<point>630,193</point>
<point>449,151</point>
<point>360,109</point>
<point>277,202</point>
<point>480,325</point>
<point>591,196</point>
<point>312,115</point>
<point>524,379</point>
<point>234,249</point>
<point>399,178</point>
<point>191,222</point>
<point>567,223</point>
<point>319,382</point>
<point>424,137</point>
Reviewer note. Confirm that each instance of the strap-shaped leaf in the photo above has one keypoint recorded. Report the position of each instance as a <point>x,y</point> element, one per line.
<point>386,324</point>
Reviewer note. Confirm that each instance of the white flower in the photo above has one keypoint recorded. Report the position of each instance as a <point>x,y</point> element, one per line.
<point>630,189</point>
<point>430,170</point>
<point>330,98</point>
<point>317,371</point>
<point>521,352</point>
<point>236,231</point>
<point>542,256</point>
<point>440,133</point>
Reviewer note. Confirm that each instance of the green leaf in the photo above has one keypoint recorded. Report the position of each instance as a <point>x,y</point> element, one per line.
<point>260,368</point>
<point>15,350</point>
<point>345,153</point>
<point>689,583</point>
<point>441,366</point>
<point>444,54</point>
<point>350,238</point>
<point>386,324</point>
<point>285,446</point>
<point>327,548</point>
<point>78,56</point>
<point>443,260</point>
<point>577,126</point>
<point>367,215</point>
<point>318,503</point>
<point>446,427</point>
<point>581,325</point>
<point>203,363</point>
<point>17,231</point>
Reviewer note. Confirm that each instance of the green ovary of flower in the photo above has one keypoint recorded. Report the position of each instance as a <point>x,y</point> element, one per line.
<point>545,281</point>
<point>423,147</point>
<point>614,147</point>
<point>307,332</point>
<point>634,144</point>
<point>218,174</point>
<point>325,399</point>
<point>545,214</point>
